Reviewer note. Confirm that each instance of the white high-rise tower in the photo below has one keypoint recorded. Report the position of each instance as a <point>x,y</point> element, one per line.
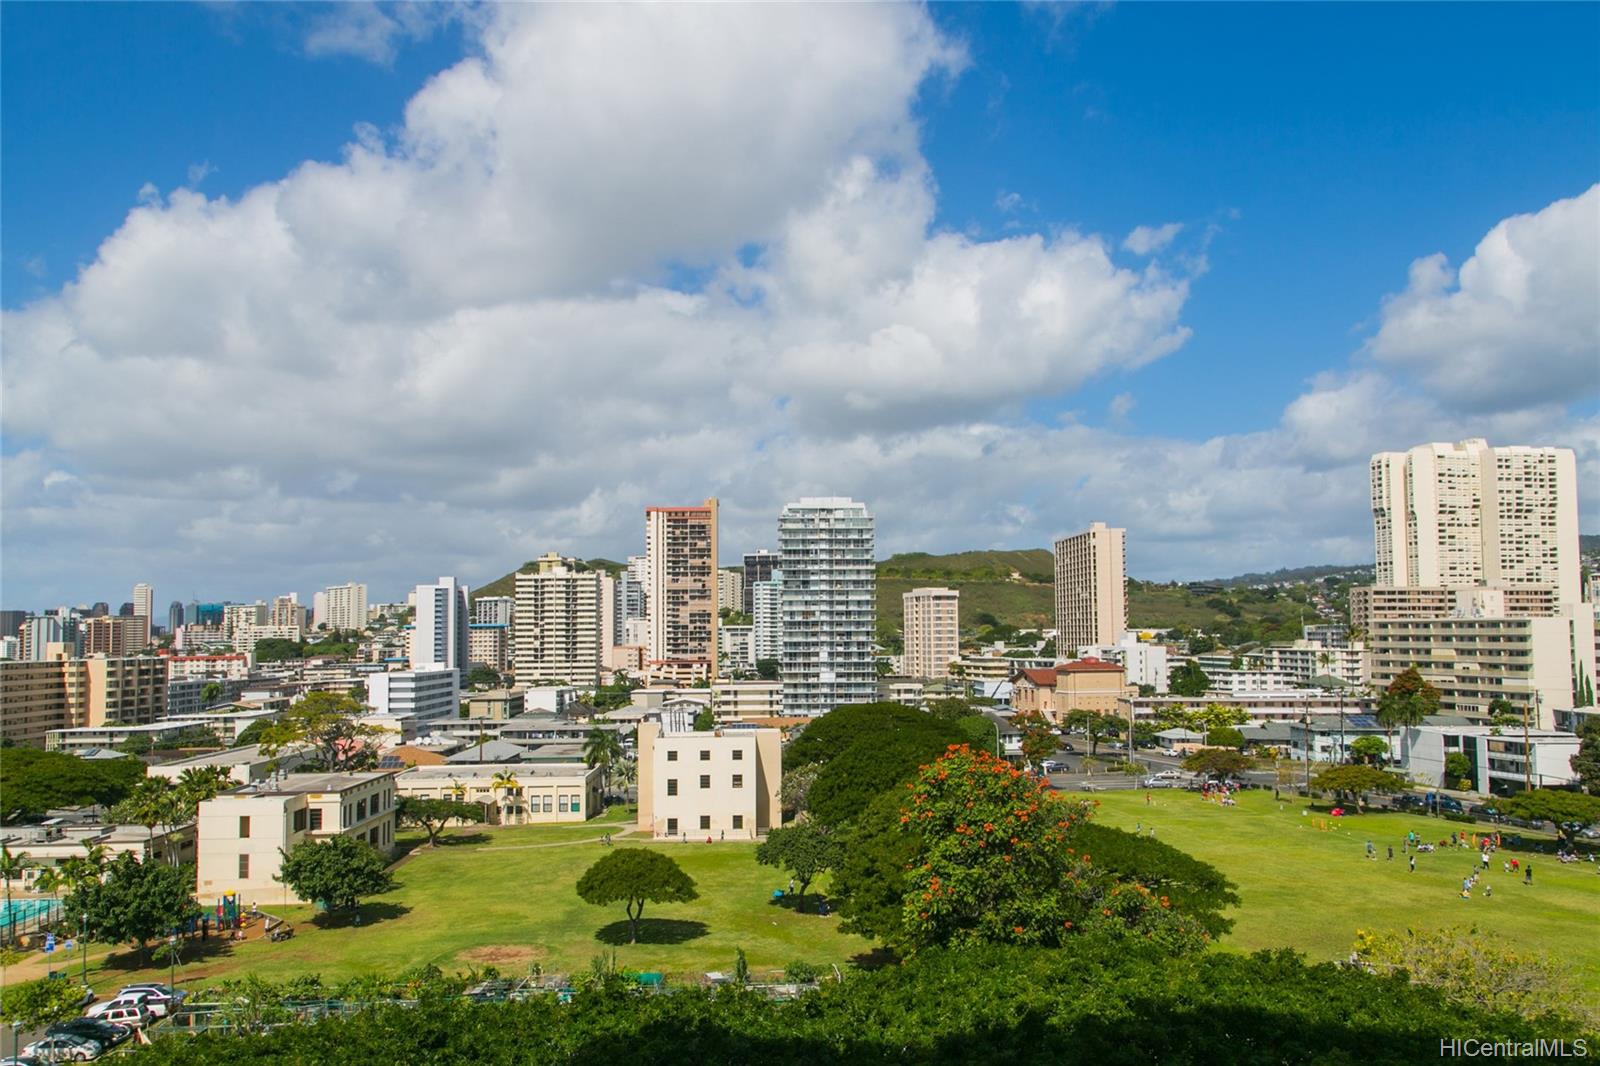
<point>826,548</point>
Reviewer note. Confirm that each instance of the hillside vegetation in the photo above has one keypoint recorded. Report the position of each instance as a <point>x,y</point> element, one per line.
<point>506,584</point>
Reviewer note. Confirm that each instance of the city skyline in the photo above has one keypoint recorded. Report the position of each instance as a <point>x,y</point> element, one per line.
<point>1050,331</point>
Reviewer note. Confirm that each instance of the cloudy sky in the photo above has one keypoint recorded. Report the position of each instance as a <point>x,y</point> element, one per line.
<point>295,295</point>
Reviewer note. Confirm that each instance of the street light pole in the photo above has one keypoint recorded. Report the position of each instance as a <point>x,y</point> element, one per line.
<point>1527,748</point>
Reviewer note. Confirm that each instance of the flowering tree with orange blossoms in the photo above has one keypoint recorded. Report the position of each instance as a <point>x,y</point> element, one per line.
<point>996,864</point>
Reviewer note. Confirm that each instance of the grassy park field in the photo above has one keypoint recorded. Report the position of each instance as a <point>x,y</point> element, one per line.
<point>506,897</point>
<point>1311,888</point>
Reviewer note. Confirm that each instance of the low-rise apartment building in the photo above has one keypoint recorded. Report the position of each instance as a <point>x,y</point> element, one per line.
<point>718,785</point>
<point>242,833</point>
<point>1498,759</point>
<point>496,704</point>
<point>1374,603</point>
<point>747,699</point>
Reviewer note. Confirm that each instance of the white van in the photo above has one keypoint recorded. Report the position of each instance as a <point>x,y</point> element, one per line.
<point>132,999</point>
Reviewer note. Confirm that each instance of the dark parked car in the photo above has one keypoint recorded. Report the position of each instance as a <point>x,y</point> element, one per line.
<point>108,1034</point>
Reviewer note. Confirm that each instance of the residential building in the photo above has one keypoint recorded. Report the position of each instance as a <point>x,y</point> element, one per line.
<point>246,636</point>
<point>730,590</point>
<point>747,699</point>
<point>243,834</point>
<point>175,617</point>
<point>185,696</point>
<point>341,607</point>
<point>67,833</point>
<point>627,605</point>
<point>63,692</point>
<point>537,792</point>
<point>681,560</point>
<point>489,645</point>
<point>235,615</point>
<point>38,633</point>
<point>1371,603</point>
<point>766,600</point>
<point>496,704</point>
<point>932,631</point>
<point>759,566</point>
<point>195,637</point>
<point>440,634</point>
<point>234,666</point>
<point>10,648</point>
<point>493,610</point>
<point>910,691</point>
<point>1091,587</point>
<point>1303,660</point>
<point>116,635</point>
<point>736,648</point>
<point>1478,653</point>
<point>287,611</point>
<point>991,667</point>
<point>424,693</point>
<point>829,604</point>
<point>144,605</point>
<point>1499,759</point>
<point>557,628</point>
<point>1460,515</point>
<point>716,785</point>
<point>1143,663</point>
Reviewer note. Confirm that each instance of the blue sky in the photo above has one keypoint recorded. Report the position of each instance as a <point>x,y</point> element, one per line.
<point>1310,153</point>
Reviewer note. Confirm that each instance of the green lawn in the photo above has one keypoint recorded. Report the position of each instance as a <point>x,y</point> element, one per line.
<point>1311,890</point>
<point>506,897</point>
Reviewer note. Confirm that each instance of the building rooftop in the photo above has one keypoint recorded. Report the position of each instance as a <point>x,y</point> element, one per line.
<point>1088,666</point>
<point>300,784</point>
<point>1044,677</point>
<point>490,751</point>
<point>475,771</point>
<point>226,757</point>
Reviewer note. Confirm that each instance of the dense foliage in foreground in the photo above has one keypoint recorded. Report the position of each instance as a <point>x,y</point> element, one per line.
<point>1099,1003</point>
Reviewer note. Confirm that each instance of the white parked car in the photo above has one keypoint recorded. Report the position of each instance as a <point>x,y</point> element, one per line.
<point>117,1002</point>
<point>134,1015</point>
<point>159,998</point>
<point>64,1049</point>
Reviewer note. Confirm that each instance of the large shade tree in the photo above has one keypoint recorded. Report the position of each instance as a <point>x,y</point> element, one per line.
<point>635,876</point>
<point>335,872</point>
<point>805,850</point>
<point>328,725</point>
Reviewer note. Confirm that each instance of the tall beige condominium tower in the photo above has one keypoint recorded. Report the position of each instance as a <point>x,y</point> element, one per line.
<point>932,631</point>
<point>341,606</point>
<point>557,624</point>
<point>144,600</point>
<point>1462,515</point>
<point>681,566</point>
<point>1091,589</point>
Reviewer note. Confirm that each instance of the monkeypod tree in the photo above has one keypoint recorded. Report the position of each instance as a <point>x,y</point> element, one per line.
<point>635,876</point>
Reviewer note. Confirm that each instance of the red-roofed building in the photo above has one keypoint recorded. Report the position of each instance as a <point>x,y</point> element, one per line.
<point>1090,685</point>
<point>1034,690</point>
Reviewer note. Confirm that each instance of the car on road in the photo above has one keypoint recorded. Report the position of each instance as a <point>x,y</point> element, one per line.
<point>1053,766</point>
<point>64,1049</point>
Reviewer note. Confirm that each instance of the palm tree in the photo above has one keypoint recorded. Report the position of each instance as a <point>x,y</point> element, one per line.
<point>503,781</point>
<point>627,773</point>
<point>154,801</point>
<point>12,867</point>
<point>602,748</point>
<point>458,790</point>
<point>200,783</point>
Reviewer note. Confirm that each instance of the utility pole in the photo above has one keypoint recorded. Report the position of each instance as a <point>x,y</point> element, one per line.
<point>1527,747</point>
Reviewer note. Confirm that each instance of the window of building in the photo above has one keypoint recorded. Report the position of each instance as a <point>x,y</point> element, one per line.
<point>672,786</point>
<point>300,820</point>
<point>561,804</point>
<point>672,827</point>
<point>549,801</point>
<point>316,819</point>
<point>244,866</point>
<point>705,821</point>
<point>244,827</point>
<point>738,755</point>
<point>705,780</point>
<point>738,821</point>
<point>361,811</point>
<point>738,780</point>
<point>705,755</point>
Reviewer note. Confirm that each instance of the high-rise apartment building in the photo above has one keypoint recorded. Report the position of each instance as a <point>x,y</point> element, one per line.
<point>1460,515</point>
<point>175,616</point>
<point>116,636</point>
<point>493,610</point>
<point>829,604</point>
<point>681,560</point>
<point>767,613</point>
<point>758,567</point>
<point>343,606</point>
<point>235,615</point>
<point>627,605</point>
<point>557,624</point>
<point>144,601</point>
<point>730,590</point>
<point>288,611</point>
<point>932,631</point>
<point>440,634</point>
<point>1091,588</point>
<point>60,692</point>
<point>38,633</point>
